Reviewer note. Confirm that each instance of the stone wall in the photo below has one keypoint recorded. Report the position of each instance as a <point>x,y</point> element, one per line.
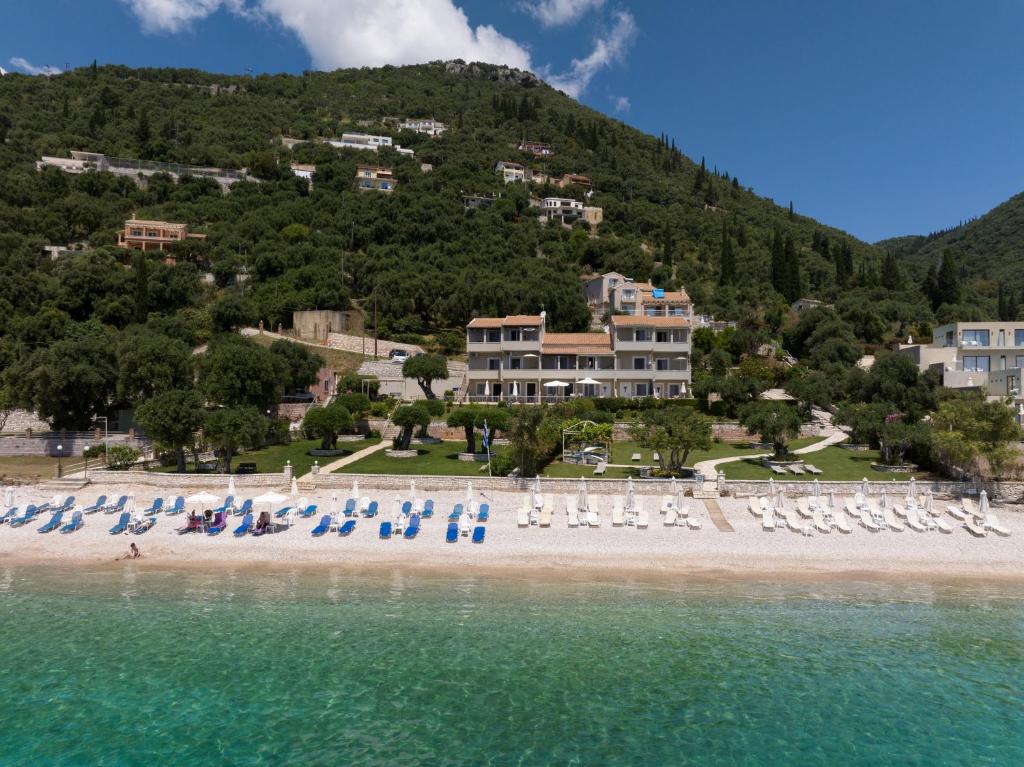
<point>73,446</point>
<point>725,431</point>
<point>20,421</point>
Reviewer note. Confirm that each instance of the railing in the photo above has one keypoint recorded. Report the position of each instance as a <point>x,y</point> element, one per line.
<point>178,169</point>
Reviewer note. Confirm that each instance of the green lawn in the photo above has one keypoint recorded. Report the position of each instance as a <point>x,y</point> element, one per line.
<point>271,460</point>
<point>30,467</point>
<point>442,459</point>
<point>572,471</point>
<point>621,451</point>
<point>835,462</point>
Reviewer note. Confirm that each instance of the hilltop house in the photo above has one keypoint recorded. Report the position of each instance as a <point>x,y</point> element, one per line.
<point>563,208</point>
<point>430,127</point>
<point>515,359</point>
<point>537,148</point>
<point>614,293</point>
<point>368,141</point>
<point>303,171</point>
<point>153,235</point>
<point>511,172</point>
<point>375,178</point>
<point>574,178</point>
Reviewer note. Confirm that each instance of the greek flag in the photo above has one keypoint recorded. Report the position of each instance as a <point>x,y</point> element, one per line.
<point>487,436</point>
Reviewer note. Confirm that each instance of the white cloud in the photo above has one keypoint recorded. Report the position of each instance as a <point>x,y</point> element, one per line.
<point>352,33</point>
<point>31,69</point>
<point>621,104</point>
<point>608,50</point>
<point>555,13</point>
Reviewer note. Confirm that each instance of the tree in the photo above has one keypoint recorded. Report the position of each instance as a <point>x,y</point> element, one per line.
<point>972,435</point>
<point>231,312</point>
<point>673,433</point>
<point>140,270</point>
<point>172,419</point>
<point>409,417</point>
<point>473,417</point>
<point>149,363</point>
<point>526,441</point>
<point>326,423</point>
<point>948,279</point>
<point>727,259</point>
<point>775,422</point>
<point>234,428</point>
<point>234,372</point>
<point>426,368</point>
<point>301,363</point>
<point>864,420</point>
<point>815,388</point>
<point>896,438</point>
<point>779,272</point>
<point>435,408</point>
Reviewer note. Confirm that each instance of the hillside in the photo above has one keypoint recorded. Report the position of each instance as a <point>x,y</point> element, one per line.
<point>989,248</point>
<point>431,263</point>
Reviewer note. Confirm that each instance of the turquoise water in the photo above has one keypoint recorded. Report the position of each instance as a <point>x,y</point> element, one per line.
<point>150,668</point>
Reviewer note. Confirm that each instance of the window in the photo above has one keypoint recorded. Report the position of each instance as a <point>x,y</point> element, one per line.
<point>976,364</point>
<point>663,364</point>
<point>565,363</point>
<point>515,363</point>
<point>641,390</point>
<point>494,363</point>
<point>1018,338</point>
<point>673,390</point>
<point>663,336</point>
<point>385,185</point>
<point>975,338</point>
<point>493,336</point>
<point>639,363</point>
<point>629,295</point>
<point>679,311</point>
<point>481,389</point>
<point>1019,362</point>
<point>513,334</point>
<point>642,334</point>
<point>138,233</point>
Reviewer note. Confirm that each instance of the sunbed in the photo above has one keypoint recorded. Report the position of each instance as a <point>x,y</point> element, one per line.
<point>350,507</point>
<point>978,531</point>
<point>428,508</point>
<point>820,524</point>
<point>891,521</point>
<point>281,512</point>
<point>635,457</point>
<point>478,533</point>
<point>617,512</point>
<point>54,523</point>
<point>74,524</point>
<point>347,527</point>
<point>245,527</point>
<point>968,506</point>
<point>144,526</point>
<point>456,512</point>
<point>323,527</point>
<point>30,514</point>
<point>768,523</point>
<point>942,525</point>
<point>452,533</point>
<point>804,508</point>
<point>777,469</point>
<point>117,507</point>
<point>754,507</point>
<point>600,469</point>
<point>68,503</point>
<point>545,514</point>
<point>220,521</point>
<point>228,504</point>
<point>992,523</point>
<point>101,503</point>
<point>245,508</point>
<point>371,510</point>
<point>796,469</point>
<point>693,523</point>
<point>412,528</point>
<point>177,507</point>
<point>523,515</point>
<point>642,518</point>
<point>593,519</point>
<point>914,522</point>
<point>364,504</point>
<point>154,507</point>
<point>385,530</point>
<point>810,467</point>
<point>571,513</point>
<point>484,513</point>
<point>309,511</point>
<point>407,507</point>
<point>122,523</point>
<point>671,516</point>
<point>8,515</point>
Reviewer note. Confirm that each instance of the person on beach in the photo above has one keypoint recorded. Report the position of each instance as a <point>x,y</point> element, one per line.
<point>194,524</point>
<point>133,552</point>
<point>263,524</point>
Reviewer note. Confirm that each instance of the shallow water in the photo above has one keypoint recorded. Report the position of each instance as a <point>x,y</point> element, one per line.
<point>233,667</point>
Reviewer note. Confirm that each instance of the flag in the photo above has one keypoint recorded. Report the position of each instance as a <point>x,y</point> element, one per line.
<point>487,436</point>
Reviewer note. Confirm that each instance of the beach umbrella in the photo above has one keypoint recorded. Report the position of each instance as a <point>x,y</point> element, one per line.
<point>469,494</point>
<point>581,496</point>
<point>679,494</point>
<point>983,505</point>
<point>554,384</point>
<point>883,501</point>
<point>831,500</point>
<point>412,489</point>
<point>771,487</point>
<point>270,498</point>
<point>817,489</point>
<point>335,503</point>
<point>130,504</point>
<point>355,489</point>
<point>396,515</point>
<point>780,500</point>
<point>630,495</point>
<point>912,488</point>
<point>231,485</point>
<point>9,497</point>
<point>538,499</point>
<point>928,501</point>
<point>515,388</point>
<point>199,499</point>
<point>865,488</point>
<point>295,488</point>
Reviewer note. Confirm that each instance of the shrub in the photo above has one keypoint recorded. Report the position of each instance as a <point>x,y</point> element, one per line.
<point>121,457</point>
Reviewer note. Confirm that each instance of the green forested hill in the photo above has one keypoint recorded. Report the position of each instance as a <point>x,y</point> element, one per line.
<point>990,247</point>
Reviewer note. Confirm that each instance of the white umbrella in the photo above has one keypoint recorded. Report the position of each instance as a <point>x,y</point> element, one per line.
<point>554,384</point>
<point>581,496</point>
<point>202,499</point>
<point>831,499</point>
<point>865,488</point>
<point>335,503</point>
<point>630,495</point>
<point>231,485</point>
<point>396,515</point>
<point>355,489</point>
<point>538,499</point>
<point>983,505</point>
<point>928,500</point>
<point>295,488</point>
<point>780,500</point>
<point>588,382</point>
<point>817,489</point>
<point>469,494</point>
<point>9,497</point>
<point>771,487</point>
<point>412,489</point>
<point>679,494</point>
<point>515,389</point>
<point>270,498</point>
<point>912,488</point>
<point>130,505</point>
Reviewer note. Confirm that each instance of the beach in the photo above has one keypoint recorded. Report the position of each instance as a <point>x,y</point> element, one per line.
<point>741,549</point>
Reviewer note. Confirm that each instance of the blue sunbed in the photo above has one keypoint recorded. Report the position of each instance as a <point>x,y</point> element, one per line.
<point>116,507</point>
<point>220,521</point>
<point>407,507</point>
<point>245,508</point>
<point>228,504</point>
<point>456,512</point>
<point>413,527</point>
<point>324,526</point>
<point>68,503</point>
<point>24,519</point>
<point>7,516</point>
<point>371,511</point>
<point>74,524</point>
<point>144,526</point>
<point>348,527</point>
<point>281,512</point>
<point>350,506</point>
<point>54,523</point>
<point>452,534</point>
<point>478,533</point>
<point>155,507</point>
<point>308,511</point>
<point>385,530</point>
<point>101,503</point>
<point>484,513</point>
<point>245,527</point>
<point>122,523</point>
<point>177,508</point>
<point>428,508</point>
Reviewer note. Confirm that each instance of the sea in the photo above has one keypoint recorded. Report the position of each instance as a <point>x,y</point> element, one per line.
<point>136,665</point>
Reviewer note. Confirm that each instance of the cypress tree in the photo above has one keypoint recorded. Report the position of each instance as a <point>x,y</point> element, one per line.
<point>1001,304</point>
<point>778,263</point>
<point>1012,310</point>
<point>948,278</point>
<point>892,277</point>
<point>792,287</point>
<point>727,259</point>
<point>140,268</point>
<point>702,174</point>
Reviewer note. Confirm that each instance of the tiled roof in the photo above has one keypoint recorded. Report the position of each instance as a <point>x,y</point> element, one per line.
<point>556,343</point>
<point>678,295</point>
<point>638,321</point>
<point>515,320</point>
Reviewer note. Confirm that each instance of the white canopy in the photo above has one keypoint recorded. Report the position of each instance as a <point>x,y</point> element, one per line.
<point>270,498</point>
<point>588,382</point>
<point>203,498</point>
<point>555,384</point>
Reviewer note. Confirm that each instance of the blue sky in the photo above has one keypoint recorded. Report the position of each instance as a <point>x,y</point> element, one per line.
<point>879,117</point>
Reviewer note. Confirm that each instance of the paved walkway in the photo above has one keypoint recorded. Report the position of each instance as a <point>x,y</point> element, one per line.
<point>717,517</point>
<point>357,456</point>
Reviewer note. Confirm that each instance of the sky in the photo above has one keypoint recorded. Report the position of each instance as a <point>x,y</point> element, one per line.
<point>880,117</point>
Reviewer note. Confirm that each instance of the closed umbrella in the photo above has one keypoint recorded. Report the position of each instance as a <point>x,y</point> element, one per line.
<point>335,504</point>
<point>983,505</point>
<point>928,501</point>
<point>865,488</point>
<point>831,500</point>
<point>912,488</point>
<point>581,497</point>
<point>355,489</point>
<point>231,485</point>
<point>469,493</point>
<point>295,488</point>
<point>515,388</point>
<point>538,499</point>
<point>9,497</point>
<point>630,494</point>
<point>780,500</point>
<point>679,494</point>
<point>817,489</point>
<point>771,487</point>
<point>883,501</point>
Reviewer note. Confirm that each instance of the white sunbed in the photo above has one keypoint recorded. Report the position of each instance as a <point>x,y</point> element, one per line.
<point>754,507</point>
<point>914,522</point>
<point>793,521</point>
<point>839,520</point>
<point>851,508</point>
<point>693,523</point>
<point>810,467</point>
<point>803,505</point>
<point>683,512</point>
<point>571,512</point>
<point>667,502</point>
<point>617,512</point>
<point>942,525</point>
<point>523,515</point>
<point>600,469</point>
<point>364,504</point>
<point>768,523</point>
<point>866,522</point>
<point>642,518</point>
<point>890,520</point>
<point>465,524</point>
<point>992,523</point>
<point>778,470</point>
<point>545,514</point>
<point>820,524</point>
<point>671,516</point>
<point>978,531</point>
<point>967,505</point>
<point>956,512</point>
<point>593,519</point>
<point>635,457</point>
<point>859,500</point>
<point>796,469</point>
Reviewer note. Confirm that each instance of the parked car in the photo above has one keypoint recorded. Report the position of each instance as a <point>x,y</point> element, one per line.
<point>399,355</point>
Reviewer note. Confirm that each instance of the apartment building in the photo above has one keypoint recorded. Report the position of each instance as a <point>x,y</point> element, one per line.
<point>373,178</point>
<point>429,127</point>
<point>564,209</point>
<point>153,235</point>
<point>515,359</point>
<point>361,141</point>
<point>987,355</point>
<point>614,293</point>
<point>537,148</point>
<point>511,172</point>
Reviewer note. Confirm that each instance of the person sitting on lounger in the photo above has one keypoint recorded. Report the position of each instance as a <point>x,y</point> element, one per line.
<point>133,552</point>
<point>262,524</point>
<point>195,524</point>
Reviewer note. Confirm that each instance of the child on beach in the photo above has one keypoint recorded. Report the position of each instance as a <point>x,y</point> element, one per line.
<point>133,552</point>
